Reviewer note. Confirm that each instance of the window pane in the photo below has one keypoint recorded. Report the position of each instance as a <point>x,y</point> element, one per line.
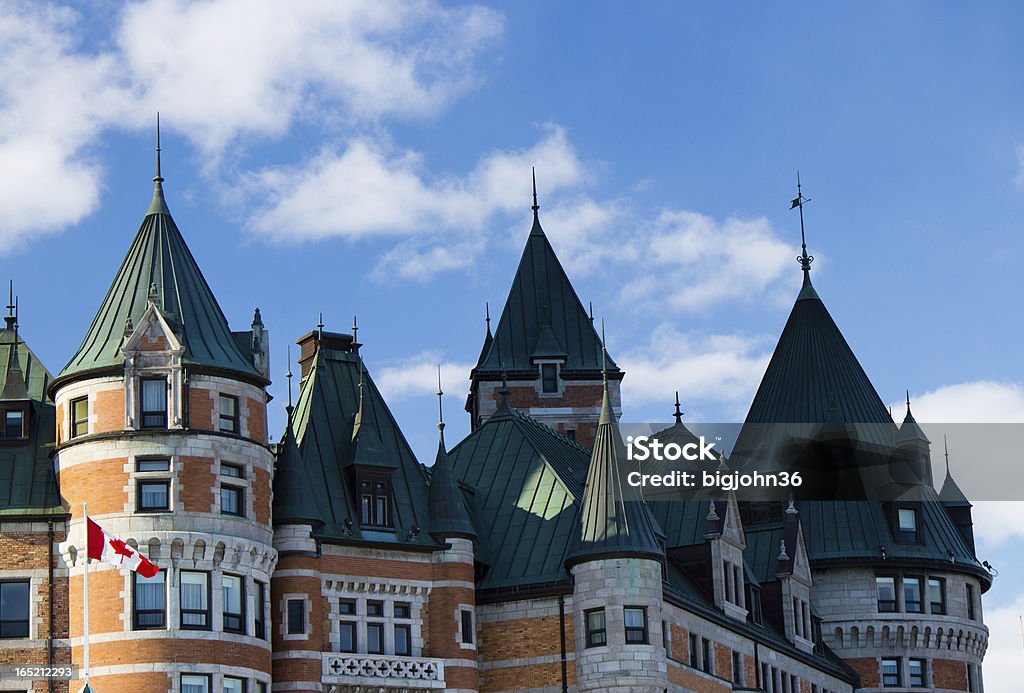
<point>890,672</point>
<point>908,519</point>
<point>228,413</point>
<point>231,470</point>
<point>14,609</point>
<point>347,636</point>
<point>232,594</point>
<point>347,607</point>
<point>150,600</point>
<point>634,618</point>
<point>260,604</point>
<point>912,594</point>
<point>595,620</point>
<point>403,640</point>
<point>233,685</point>
<point>916,667</point>
<point>153,465</point>
<point>467,626</point>
<point>154,395</point>
<point>79,417</point>
<point>13,425</point>
<point>374,608</point>
<point>296,617</point>
<point>549,377</point>
<point>231,500</point>
<point>194,599</point>
<point>403,610</point>
<point>194,684</point>
<point>153,495</point>
<point>886,587</point>
<point>375,638</point>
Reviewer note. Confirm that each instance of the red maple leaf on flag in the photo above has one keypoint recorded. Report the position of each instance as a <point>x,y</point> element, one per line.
<point>121,549</point>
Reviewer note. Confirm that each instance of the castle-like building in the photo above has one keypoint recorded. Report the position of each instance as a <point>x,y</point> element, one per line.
<point>334,560</point>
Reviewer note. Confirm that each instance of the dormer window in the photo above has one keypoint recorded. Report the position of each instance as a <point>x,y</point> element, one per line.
<point>549,378</point>
<point>13,424</point>
<point>373,490</point>
<point>906,525</point>
<point>154,403</point>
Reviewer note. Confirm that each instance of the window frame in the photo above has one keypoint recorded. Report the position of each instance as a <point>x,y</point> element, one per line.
<point>5,622</point>
<point>377,627</point>
<point>140,508</point>
<point>243,683</point>
<point>290,628</point>
<point>22,415</point>
<point>207,612</point>
<point>895,594</point>
<point>368,501</point>
<point>143,412</point>
<point>406,608</point>
<point>259,618</point>
<point>706,655</point>
<point>940,583</point>
<point>405,628</point>
<point>891,682</point>
<point>549,375</point>
<point>908,535</point>
<point>972,613</point>
<point>592,632</point>
<point>923,673</point>
<point>467,626</point>
<point>627,629</point>
<point>350,626</point>
<point>208,680</point>
<point>225,614</point>
<point>137,612</point>
<point>239,495</point>
<point>907,580</point>
<point>79,426</point>
<point>233,421</point>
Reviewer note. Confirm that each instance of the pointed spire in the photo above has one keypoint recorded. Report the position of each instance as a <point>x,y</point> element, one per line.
<point>448,514</point>
<point>9,318</point>
<point>487,318</point>
<point>604,359</point>
<point>536,207</point>
<point>288,376</point>
<point>440,406</point>
<point>679,414</point>
<point>908,403</point>
<point>320,327</point>
<point>355,331</point>
<point>158,205</point>
<point>945,444</point>
<point>804,259</point>
<point>591,312</point>
<point>14,387</point>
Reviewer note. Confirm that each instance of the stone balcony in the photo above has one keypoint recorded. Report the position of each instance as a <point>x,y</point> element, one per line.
<point>365,672</point>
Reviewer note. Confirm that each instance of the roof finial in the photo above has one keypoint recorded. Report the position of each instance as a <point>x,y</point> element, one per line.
<point>803,258</point>
<point>679,413</point>
<point>288,375</point>
<point>355,331</point>
<point>440,406</point>
<point>604,359</point>
<point>536,206</point>
<point>908,401</point>
<point>320,328</point>
<point>591,313</point>
<point>9,318</point>
<point>158,179</point>
<point>487,314</point>
<point>15,325</point>
<point>945,444</point>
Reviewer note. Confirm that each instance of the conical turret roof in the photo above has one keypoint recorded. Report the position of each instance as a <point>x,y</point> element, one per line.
<point>448,514</point>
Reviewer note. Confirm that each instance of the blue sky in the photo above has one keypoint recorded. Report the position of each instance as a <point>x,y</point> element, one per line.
<point>373,159</point>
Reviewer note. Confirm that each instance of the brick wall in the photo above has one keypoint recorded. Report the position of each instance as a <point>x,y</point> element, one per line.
<point>108,411</point>
<point>101,482</point>
<point>198,484</point>
<point>200,409</point>
<point>261,486</point>
<point>533,676</point>
<point>256,422</point>
<point>523,638</point>
<point>949,674</point>
<point>868,670</point>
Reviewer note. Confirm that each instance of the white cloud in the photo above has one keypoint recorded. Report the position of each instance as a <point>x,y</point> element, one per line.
<point>980,401</point>
<point>713,368</point>
<point>711,261</point>
<point>1002,659</point>
<point>417,375</point>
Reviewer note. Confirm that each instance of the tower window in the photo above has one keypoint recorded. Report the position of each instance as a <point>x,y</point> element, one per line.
<point>549,377</point>
<point>233,684</point>
<point>375,638</point>
<point>195,683</point>
<point>467,626</point>
<point>195,600</point>
<point>228,409</point>
<point>153,496</point>
<point>635,618</point>
<point>907,525</point>
<point>886,588</point>
<point>891,673</point>
<point>916,672</point>
<point>937,595</point>
<point>149,606</point>
<point>13,424</point>
<point>260,605</point>
<point>296,617</point>
<point>347,636</point>
<point>154,403</point>
<point>596,633</point>
<point>403,639</point>
<point>14,609</point>
<point>705,656</point>
<point>374,499</point>
<point>79,417</point>
<point>737,668</point>
<point>912,601</point>
<point>234,603</point>
<point>970,602</point>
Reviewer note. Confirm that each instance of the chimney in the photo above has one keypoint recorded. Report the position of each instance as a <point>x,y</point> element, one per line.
<point>309,342</point>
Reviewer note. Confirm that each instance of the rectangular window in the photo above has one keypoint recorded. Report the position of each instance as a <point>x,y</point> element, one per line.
<point>907,525</point>
<point>737,668</point>
<point>195,600</point>
<point>153,464</point>
<point>912,595</point>
<point>970,602</point>
<point>154,403</point>
<point>375,638</point>
<point>403,610</point>
<point>149,605</point>
<point>153,495</point>
<point>891,673</point>
<point>886,588</point>
<point>261,687</point>
<point>467,626</point>
<point>915,672</point>
<point>14,609</point>
<point>13,424</point>
<point>296,617</point>
<point>755,605</point>
<point>234,603</point>
<point>260,605</point>
<point>705,655</point>
<point>228,410</point>
<point>195,683</point>
<point>375,608</point>
<point>374,500</point>
<point>232,470</point>
<point>347,607</point>
<point>79,417</point>
<point>972,679</point>
<point>694,651</point>
<point>596,635</point>
<point>403,639</point>
<point>347,636</point>
<point>936,595</point>
<point>549,377</point>
<point>234,685</point>
<point>232,501</point>
<point>635,618</point>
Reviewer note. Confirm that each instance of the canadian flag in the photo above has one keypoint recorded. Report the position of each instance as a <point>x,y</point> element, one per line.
<point>106,547</point>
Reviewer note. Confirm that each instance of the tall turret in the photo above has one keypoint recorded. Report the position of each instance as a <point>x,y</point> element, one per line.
<point>161,428</point>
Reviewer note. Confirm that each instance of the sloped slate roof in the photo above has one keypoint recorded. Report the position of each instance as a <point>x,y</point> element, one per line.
<point>527,483</point>
<point>158,257</point>
<point>951,495</point>
<point>28,484</point>
<point>448,514</point>
<point>322,425</point>
<point>543,317</point>
<point>614,520</point>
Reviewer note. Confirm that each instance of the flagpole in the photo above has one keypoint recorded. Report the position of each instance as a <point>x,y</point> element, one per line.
<point>85,600</point>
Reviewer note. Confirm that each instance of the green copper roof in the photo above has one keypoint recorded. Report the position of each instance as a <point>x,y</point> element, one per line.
<point>329,455</point>
<point>448,514</point>
<point>159,264</point>
<point>951,495</point>
<point>526,481</point>
<point>614,521</point>
<point>543,317</point>
<point>28,484</point>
